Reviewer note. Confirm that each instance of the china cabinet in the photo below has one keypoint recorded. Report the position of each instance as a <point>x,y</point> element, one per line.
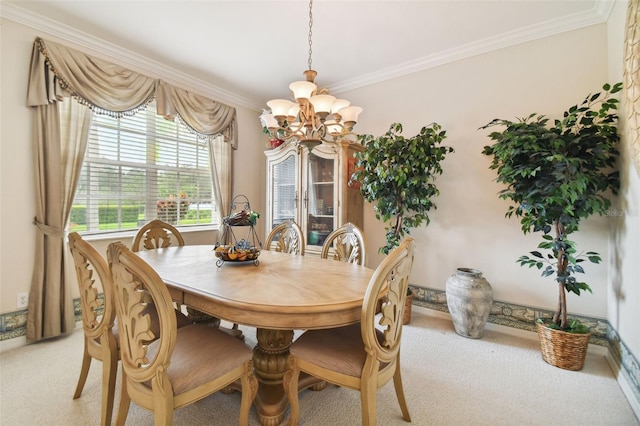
<point>313,189</point>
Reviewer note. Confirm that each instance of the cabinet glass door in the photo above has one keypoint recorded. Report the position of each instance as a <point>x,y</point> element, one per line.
<point>284,191</point>
<point>320,203</point>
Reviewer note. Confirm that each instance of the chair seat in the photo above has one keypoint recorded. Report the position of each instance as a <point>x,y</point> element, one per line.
<point>337,349</point>
<point>202,354</point>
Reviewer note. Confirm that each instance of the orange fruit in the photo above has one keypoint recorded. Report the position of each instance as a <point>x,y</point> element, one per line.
<point>233,255</point>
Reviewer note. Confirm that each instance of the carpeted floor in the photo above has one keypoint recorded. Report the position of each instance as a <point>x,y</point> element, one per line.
<point>448,380</point>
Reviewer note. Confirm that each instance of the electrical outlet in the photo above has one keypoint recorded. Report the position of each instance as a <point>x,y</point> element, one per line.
<point>23,300</point>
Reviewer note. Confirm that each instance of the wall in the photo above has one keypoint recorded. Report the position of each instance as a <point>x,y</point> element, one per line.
<point>624,279</point>
<point>16,177</point>
<point>469,228</point>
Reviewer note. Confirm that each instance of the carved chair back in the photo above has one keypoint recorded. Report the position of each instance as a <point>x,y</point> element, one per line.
<point>287,237</point>
<point>345,244</point>
<point>156,234</point>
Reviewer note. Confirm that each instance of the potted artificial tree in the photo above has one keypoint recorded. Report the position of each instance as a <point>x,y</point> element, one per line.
<point>397,174</point>
<point>558,173</point>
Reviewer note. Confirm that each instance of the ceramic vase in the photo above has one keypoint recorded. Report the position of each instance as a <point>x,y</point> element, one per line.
<point>469,298</point>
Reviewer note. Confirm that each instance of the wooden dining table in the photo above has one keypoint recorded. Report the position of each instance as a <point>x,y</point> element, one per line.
<point>279,294</point>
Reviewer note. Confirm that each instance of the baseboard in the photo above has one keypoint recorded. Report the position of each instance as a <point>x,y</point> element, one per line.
<point>504,329</point>
<point>16,342</point>
<point>631,392</point>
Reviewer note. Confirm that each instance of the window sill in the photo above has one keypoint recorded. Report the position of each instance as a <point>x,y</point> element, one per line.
<point>129,235</point>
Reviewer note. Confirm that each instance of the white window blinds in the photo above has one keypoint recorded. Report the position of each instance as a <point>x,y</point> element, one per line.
<point>139,168</point>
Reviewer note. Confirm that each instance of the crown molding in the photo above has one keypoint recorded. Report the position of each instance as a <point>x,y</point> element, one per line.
<point>597,15</point>
<point>118,53</point>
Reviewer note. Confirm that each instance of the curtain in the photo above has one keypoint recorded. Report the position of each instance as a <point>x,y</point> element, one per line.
<point>202,115</point>
<point>222,170</point>
<point>60,137</point>
<point>60,133</point>
<point>632,79</point>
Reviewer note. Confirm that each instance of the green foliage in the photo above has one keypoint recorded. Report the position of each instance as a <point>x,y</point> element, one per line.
<point>78,215</point>
<point>562,252</point>
<point>556,174</point>
<point>109,214</point>
<point>574,326</point>
<point>397,173</point>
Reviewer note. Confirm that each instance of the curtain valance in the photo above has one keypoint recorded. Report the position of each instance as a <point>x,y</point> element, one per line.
<point>58,71</point>
<point>201,114</point>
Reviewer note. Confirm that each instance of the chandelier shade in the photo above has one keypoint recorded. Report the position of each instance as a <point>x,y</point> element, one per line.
<point>302,89</point>
<point>315,117</point>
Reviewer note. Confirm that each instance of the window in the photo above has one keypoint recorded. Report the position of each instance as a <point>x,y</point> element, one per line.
<point>138,168</point>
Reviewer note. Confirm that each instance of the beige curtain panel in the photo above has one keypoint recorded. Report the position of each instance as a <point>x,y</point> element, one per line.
<point>60,133</point>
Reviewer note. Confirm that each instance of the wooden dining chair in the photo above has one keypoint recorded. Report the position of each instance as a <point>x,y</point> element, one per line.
<point>98,317</point>
<point>346,244</point>
<point>286,237</point>
<point>156,234</point>
<point>174,367</point>
<point>362,356</point>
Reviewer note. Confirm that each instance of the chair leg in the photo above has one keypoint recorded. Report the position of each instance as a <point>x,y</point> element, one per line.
<point>290,384</point>
<point>162,396</point>
<point>125,401</point>
<point>368,393</point>
<point>109,371</point>
<point>84,371</point>
<point>397,384</point>
<point>163,415</point>
<point>249,391</point>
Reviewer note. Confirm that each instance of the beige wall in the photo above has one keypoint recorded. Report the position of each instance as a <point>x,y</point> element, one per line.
<point>468,228</point>
<point>624,240</point>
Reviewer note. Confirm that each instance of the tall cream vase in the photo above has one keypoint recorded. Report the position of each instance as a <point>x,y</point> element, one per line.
<point>469,298</point>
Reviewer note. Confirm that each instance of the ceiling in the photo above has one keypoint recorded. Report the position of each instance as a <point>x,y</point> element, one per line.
<point>248,52</point>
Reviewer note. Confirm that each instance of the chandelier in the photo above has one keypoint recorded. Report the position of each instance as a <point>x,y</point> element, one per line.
<point>315,117</point>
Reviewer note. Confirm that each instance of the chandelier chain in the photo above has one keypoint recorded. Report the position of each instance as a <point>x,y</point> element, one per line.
<point>310,29</point>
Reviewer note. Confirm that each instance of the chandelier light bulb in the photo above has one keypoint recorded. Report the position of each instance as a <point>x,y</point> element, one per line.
<point>280,108</point>
<point>302,89</point>
<point>333,128</point>
<point>294,111</point>
<point>268,121</point>
<point>339,104</point>
<point>322,104</point>
<point>350,113</point>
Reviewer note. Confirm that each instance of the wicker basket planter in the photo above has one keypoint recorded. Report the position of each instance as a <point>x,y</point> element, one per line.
<point>562,349</point>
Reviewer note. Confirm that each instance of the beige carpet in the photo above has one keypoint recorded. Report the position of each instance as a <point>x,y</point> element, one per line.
<point>449,380</point>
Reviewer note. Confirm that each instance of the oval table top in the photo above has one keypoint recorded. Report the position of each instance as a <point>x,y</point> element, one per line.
<point>283,292</point>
